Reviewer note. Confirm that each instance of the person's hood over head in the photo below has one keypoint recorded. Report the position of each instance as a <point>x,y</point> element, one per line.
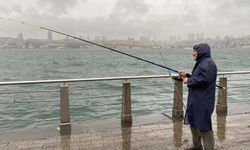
<point>203,51</point>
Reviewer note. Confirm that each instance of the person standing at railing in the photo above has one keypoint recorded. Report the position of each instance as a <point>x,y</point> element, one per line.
<point>201,97</point>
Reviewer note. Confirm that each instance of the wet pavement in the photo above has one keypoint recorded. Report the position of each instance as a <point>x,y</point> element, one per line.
<point>231,132</point>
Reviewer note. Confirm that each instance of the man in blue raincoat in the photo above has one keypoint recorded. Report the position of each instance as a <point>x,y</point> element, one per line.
<point>201,97</point>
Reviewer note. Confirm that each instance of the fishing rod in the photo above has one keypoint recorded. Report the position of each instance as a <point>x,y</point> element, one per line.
<point>112,49</point>
<point>94,43</point>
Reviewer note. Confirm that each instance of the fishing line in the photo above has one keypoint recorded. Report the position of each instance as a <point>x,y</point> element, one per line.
<point>21,22</point>
<point>178,92</point>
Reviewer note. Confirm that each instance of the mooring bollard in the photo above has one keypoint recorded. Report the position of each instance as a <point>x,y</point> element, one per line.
<point>177,111</point>
<point>126,116</point>
<point>64,124</point>
<point>221,107</point>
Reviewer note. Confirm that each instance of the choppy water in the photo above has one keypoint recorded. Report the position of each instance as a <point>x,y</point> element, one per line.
<point>88,100</point>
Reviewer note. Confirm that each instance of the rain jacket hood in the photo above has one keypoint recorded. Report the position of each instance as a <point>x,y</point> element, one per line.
<point>203,51</point>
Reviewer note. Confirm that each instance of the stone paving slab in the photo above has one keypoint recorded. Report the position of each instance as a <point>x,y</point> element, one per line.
<point>231,132</point>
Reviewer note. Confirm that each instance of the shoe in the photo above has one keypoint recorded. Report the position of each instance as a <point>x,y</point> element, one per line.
<point>194,148</point>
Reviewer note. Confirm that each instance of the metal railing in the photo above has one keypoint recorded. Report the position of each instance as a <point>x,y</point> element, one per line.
<point>126,115</point>
<point>107,78</point>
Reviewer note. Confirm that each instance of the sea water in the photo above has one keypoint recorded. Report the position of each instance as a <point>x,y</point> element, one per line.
<point>28,106</point>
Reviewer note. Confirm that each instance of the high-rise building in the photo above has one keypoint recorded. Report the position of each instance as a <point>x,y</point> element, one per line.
<point>20,37</point>
<point>49,36</point>
<point>97,38</point>
<point>191,36</point>
<point>199,36</point>
<point>19,41</point>
<point>202,36</point>
<point>195,36</point>
<point>217,38</point>
<point>144,38</point>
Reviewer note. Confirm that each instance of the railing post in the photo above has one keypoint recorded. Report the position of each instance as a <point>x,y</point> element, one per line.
<point>177,111</point>
<point>177,132</point>
<point>221,107</point>
<point>64,124</point>
<point>126,116</point>
<point>221,127</point>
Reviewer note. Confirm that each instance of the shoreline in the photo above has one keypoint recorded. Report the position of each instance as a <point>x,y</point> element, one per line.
<point>77,128</point>
<point>231,132</point>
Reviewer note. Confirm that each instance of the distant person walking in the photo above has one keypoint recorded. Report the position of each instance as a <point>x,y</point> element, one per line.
<point>201,97</point>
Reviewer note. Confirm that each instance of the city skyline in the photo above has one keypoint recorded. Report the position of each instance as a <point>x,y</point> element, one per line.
<point>48,35</point>
<point>128,43</point>
<point>131,18</point>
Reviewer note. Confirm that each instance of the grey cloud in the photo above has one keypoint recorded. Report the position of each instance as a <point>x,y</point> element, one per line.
<point>241,3</point>
<point>158,26</point>
<point>129,8</point>
<point>125,19</point>
<point>223,18</point>
<point>57,6</point>
<point>232,15</point>
<point>4,9</point>
<point>130,18</point>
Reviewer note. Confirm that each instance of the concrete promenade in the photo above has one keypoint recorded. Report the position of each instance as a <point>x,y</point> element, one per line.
<point>231,132</point>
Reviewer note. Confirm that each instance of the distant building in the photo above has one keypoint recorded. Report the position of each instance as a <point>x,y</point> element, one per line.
<point>173,39</point>
<point>20,37</point>
<point>97,38</point>
<point>144,38</point>
<point>49,36</point>
<point>202,36</point>
<point>19,42</point>
<point>191,37</point>
<point>199,36</point>
<point>104,38</point>
<point>217,38</point>
<point>195,36</point>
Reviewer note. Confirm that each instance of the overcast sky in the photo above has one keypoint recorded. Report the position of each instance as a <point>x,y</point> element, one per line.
<point>128,18</point>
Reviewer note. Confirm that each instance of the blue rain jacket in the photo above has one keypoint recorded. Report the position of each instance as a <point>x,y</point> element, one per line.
<point>201,89</point>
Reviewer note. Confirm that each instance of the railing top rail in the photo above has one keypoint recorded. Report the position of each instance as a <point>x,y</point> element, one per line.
<point>233,72</point>
<point>83,79</point>
<point>106,78</point>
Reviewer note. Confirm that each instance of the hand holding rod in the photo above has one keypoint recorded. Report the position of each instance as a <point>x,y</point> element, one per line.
<point>188,75</point>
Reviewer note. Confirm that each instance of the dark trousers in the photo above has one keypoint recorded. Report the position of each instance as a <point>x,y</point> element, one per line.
<point>206,137</point>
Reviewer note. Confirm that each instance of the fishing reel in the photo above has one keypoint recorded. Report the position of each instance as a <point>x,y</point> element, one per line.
<point>178,78</point>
